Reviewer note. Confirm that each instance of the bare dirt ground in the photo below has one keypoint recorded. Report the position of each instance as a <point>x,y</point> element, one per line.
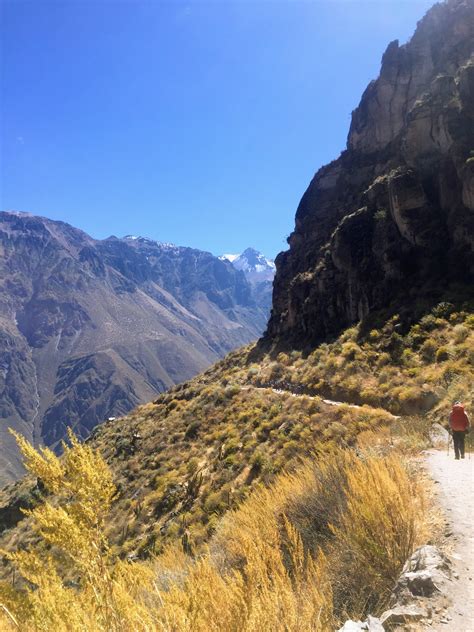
<point>455,490</point>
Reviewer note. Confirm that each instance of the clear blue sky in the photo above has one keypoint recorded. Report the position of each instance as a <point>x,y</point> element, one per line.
<point>199,123</point>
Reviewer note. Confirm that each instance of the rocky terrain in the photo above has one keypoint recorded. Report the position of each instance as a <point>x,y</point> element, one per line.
<point>390,221</point>
<point>89,329</point>
<point>379,271</point>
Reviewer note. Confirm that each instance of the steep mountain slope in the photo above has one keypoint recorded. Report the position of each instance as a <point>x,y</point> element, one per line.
<point>198,450</point>
<point>89,329</point>
<point>391,220</point>
<point>412,239</point>
<point>184,460</point>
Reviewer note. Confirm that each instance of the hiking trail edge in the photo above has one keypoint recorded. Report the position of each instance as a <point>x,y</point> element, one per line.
<point>455,494</point>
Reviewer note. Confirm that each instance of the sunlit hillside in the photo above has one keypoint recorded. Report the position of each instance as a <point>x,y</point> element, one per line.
<point>184,460</point>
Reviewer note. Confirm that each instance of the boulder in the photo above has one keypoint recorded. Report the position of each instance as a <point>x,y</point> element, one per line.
<point>423,574</point>
<point>374,624</point>
<point>399,615</point>
<point>371,625</point>
<point>352,626</point>
<point>421,583</point>
<point>439,435</point>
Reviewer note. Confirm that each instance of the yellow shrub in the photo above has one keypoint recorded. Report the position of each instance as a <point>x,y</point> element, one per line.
<point>335,531</point>
<point>266,596</point>
<point>377,530</point>
<point>106,595</point>
<point>460,332</point>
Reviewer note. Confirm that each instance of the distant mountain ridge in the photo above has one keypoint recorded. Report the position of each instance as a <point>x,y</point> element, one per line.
<point>256,266</point>
<point>91,328</point>
<point>259,272</point>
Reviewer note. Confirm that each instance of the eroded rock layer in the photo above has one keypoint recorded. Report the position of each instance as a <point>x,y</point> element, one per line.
<point>394,214</point>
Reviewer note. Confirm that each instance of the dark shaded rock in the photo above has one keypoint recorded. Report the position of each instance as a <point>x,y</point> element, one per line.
<point>394,212</point>
<point>16,500</point>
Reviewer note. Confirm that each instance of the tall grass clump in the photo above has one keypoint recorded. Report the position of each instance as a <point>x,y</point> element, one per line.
<point>376,532</point>
<point>70,579</point>
<point>279,587</point>
<point>325,541</point>
<point>364,512</point>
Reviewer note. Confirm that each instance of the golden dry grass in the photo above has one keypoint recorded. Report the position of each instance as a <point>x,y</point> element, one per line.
<point>274,564</point>
<point>202,467</point>
<point>200,449</point>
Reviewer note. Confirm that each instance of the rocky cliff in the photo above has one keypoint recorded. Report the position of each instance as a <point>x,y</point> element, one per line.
<point>89,329</point>
<point>391,221</point>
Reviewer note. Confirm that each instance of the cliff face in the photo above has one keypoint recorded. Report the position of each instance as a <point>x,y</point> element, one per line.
<point>89,329</point>
<point>394,214</point>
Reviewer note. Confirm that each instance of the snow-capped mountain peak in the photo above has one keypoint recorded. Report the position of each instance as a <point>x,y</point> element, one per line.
<point>137,239</point>
<point>229,257</point>
<point>256,266</point>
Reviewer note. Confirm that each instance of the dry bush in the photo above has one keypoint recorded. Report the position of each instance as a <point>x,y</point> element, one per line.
<point>363,512</point>
<point>263,596</point>
<point>76,584</point>
<point>71,581</point>
<point>275,564</point>
<point>375,534</point>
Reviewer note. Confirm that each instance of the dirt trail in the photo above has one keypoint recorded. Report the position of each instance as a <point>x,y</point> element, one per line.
<point>329,402</point>
<point>455,491</point>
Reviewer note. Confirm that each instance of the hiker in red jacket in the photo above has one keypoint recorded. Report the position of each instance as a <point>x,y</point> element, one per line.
<point>460,425</point>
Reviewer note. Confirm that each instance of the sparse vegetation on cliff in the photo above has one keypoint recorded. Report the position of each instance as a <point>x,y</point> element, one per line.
<point>199,450</point>
<point>408,370</point>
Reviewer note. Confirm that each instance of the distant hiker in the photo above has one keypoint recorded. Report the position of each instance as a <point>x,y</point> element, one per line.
<point>459,425</point>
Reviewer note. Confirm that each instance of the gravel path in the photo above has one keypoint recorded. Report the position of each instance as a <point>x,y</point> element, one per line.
<point>456,495</point>
<point>329,402</point>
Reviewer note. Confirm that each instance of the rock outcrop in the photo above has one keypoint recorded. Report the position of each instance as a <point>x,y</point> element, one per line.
<point>89,329</point>
<point>394,214</point>
<point>424,575</point>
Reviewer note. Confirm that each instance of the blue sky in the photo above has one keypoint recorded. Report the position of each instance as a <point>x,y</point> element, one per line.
<point>198,123</point>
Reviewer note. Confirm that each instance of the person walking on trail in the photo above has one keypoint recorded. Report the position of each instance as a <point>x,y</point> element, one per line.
<point>459,425</point>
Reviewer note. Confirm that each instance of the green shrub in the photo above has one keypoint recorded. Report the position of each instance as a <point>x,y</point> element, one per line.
<point>408,357</point>
<point>380,215</point>
<point>460,332</point>
<point>442,354</point>
<point>350,350</point>
<point>192,430</point>
<point>409,395</point>
<point>384,359</point>
<point>428,349</point>
<point>443,310</point>
<point>231,391</point>
<point>429,322</point>
<point>258,461</point>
